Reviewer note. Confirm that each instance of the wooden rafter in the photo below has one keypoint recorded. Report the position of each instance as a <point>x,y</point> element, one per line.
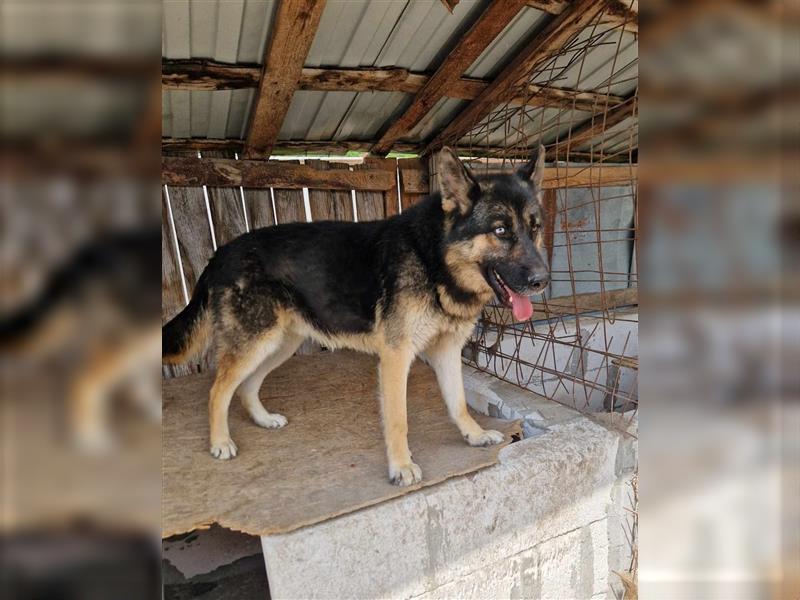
<point>557,177</point>
<point>205,75</point>
<point>450,5</point>
<point>592,128</point>
<point>293,31</point>
<point>620,12</point>
<point>169,145</point>
<point>298,147</point>
<point>208,75</point>
<point>579,15</point>
<point>222,172</point>
<point>488,26</point>
<point>376,176</point>
<point>340,148</point>
<point>624,13</point>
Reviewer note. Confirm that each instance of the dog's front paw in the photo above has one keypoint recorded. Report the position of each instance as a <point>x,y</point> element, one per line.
<point>270,421</point>
<point>224,450</point>
<point>405,474</point>
<point>486,437</point>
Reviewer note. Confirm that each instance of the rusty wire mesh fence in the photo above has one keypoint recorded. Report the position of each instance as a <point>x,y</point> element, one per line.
<point>581,347</point>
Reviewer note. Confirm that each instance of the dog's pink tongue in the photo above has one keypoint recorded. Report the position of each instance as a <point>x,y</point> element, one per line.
<point>521,306</point>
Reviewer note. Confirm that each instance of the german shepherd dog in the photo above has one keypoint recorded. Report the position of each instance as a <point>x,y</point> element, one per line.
<point>411,284</point>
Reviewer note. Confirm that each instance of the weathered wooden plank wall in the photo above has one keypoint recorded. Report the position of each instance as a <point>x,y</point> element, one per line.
<point>172,300</point>
<point>259,208</point>
<point>332,205</point>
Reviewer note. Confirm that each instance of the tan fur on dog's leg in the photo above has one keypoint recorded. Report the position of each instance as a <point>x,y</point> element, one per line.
<point>108,366</point>
<point>445,358</point>
<point>393,371</point>
<point>248,390</point>
<point>233,370</point>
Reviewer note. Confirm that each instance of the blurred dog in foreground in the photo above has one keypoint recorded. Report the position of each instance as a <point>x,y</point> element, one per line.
<point>100,310</point>
<point>414,283</point>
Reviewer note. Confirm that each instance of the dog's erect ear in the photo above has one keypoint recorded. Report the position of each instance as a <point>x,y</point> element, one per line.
<point>456,182</point>
<point>533,171</point>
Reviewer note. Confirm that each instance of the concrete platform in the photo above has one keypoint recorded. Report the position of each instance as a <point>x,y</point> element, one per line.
<point>546,522</point>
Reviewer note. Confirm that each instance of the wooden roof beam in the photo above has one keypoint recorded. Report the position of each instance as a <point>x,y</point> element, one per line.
<point>293,32</point>
<point>340,148</point>
<point>579,15</point>
<point>281,147</point>
<point>223,172</point>
<point>588,130</point>
<point>205,75</point>
<point>376,176</point>
<point>488,26</point>
<point>620,12</point>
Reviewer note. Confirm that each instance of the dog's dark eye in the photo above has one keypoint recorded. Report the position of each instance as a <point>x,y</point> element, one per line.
<point>501,231</point>
<point>535,225</point>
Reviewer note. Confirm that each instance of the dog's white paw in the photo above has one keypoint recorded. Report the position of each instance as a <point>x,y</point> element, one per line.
<point>224,450</point>
<point>270,421</point>
<point>405,474</point>
<point>487,437</point>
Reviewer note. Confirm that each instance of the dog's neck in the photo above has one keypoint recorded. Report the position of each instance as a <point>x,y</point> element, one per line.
<point>460,306</point>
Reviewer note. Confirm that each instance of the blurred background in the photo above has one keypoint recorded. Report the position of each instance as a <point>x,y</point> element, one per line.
<point>719,349</point>
<point>79,299</point>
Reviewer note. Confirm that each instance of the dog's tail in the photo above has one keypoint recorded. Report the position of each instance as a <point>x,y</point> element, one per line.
<point>186,335</point>
<point>41,324</point>
<point>34,328</point>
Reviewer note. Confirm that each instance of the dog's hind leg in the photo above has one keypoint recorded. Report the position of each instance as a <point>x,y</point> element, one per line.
<point>248,390</point>
<point>233,369</point>
<point>394,366</point>
<point>108,366</point>
<point>445,358</point>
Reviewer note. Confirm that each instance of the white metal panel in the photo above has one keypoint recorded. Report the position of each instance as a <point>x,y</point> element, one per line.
<point>177,36</point>
<point>218,113</point>
<point>257,20</point>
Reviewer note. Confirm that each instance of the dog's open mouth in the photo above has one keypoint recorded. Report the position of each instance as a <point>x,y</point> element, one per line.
<point>519,304</point>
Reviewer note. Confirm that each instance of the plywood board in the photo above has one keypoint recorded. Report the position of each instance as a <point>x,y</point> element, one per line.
<point>329,460</point>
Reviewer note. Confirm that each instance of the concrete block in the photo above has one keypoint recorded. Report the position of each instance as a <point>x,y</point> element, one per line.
<point>573,565</point>
<point>501,579</point>
<point>440,538</point>
<point>620,520</point>
<point>378,552</point>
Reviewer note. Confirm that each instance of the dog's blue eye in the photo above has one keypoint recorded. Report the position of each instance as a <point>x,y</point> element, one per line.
<point>500,231</point>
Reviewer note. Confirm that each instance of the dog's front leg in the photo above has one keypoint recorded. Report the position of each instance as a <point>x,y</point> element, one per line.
<point>394,365</point>
<point>445,358</point>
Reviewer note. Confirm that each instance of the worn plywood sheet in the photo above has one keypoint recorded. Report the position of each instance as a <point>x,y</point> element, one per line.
<point>329,460</point>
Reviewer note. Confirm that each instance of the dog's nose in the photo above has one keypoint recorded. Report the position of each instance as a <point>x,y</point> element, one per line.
<point>539,280</point>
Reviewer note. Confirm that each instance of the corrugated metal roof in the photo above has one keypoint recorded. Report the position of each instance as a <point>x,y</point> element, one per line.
<point>505,45</point>
<point>416,35</point>
<point>231,31</point>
